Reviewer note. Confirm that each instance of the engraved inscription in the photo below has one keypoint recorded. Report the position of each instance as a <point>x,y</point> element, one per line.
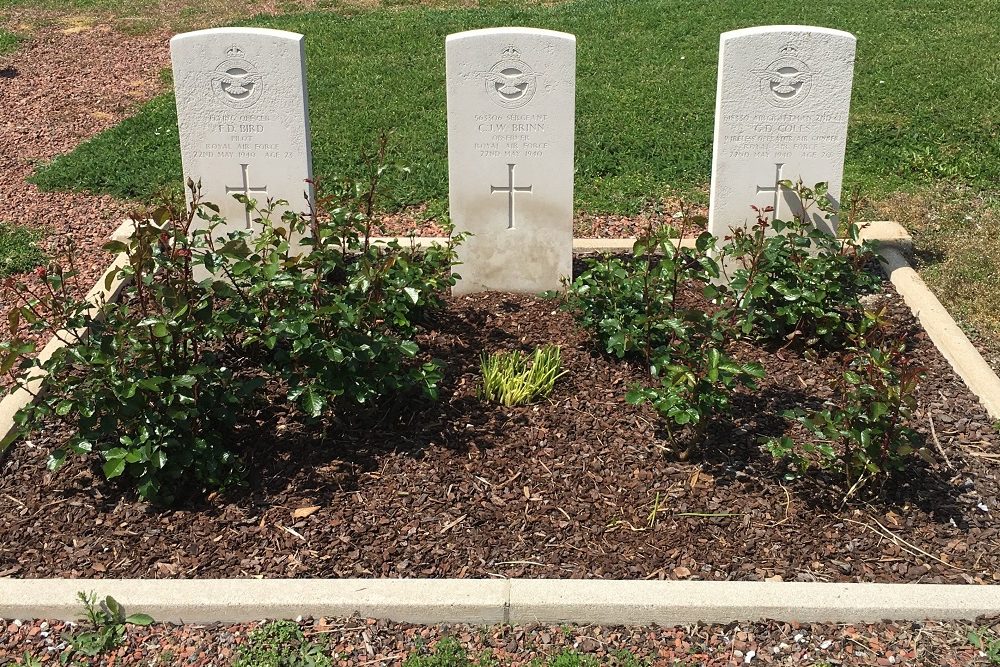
<point>511,82</point>
<point>786,82</point>
<point>246,189</point>
<point>236,81</point>
<point>511,136</point>
<point>510,190</point>
<point>782,135</point>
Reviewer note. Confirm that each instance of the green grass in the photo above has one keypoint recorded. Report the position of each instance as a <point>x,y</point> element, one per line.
<point>19,251</point>
<point>281,643</point>
<point>956,233</point>
<point>9,41</point>
<point>924,105</point>
<point>450,653</point>
<point>511,377</point>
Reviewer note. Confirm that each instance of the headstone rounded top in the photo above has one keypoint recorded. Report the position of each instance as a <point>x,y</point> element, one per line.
<point>781,114</point>
<point>486,32</point>
<point>214,33</point>
<point>783,29</point>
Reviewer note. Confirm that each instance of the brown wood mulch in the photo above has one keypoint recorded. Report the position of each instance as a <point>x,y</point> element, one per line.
<point>356,642</point>
<point>566,488</point>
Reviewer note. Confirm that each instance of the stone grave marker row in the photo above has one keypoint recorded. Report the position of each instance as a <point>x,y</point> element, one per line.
<point>781,113</point>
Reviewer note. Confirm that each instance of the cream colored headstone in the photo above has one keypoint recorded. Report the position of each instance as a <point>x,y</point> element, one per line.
<point>242,113</point>
<point>784,94</point>
<point>511,113</point>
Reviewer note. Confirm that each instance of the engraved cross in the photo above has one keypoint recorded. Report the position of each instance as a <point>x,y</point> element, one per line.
<point>510,190</point>
<point>776,189</point>
<point>246,189</point>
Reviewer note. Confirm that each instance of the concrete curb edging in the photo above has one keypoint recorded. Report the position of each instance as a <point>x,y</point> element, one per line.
<point>946,335</point>
<point>523,601</point>
<point>494,601</point>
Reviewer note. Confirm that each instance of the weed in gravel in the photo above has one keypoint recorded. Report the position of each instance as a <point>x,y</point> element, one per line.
<point>513,378</point>
<point>281,644</point>
<point>107,623</point>
<point>19,251</point>
<point>987,643</point>
<point>448,652</point>
<point>567,659</point>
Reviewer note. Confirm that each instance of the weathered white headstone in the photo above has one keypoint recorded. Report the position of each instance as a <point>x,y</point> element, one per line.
<point>242,113</point>
<point>511,112</point>
<point>784,94</point>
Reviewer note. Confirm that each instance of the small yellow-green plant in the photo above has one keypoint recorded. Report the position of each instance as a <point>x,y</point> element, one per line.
<point>514,378</point>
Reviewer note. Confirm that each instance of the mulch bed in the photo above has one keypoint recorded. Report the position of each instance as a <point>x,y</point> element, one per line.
<point>566,488</point>
<point>370,642</point>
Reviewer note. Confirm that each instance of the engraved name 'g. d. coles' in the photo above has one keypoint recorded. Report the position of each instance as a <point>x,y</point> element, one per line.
<point>511,82</point>
<point>786,82</point>
<point>236,81</point>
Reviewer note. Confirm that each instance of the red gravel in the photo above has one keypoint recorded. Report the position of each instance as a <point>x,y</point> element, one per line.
<point>369,642</point>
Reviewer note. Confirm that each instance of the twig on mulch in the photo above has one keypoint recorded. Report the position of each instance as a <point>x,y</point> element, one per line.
<point>937,443</point>
<point>903,544</point>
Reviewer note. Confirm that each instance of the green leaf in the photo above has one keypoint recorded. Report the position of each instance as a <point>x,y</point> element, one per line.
<point>412,293</point>
<point>636,396</point>
<point>116,247</point>
<point>57,458</point>
<point>139,619</point>
<point>114,468</point>
<point>312,403</point>
<point>185,381</point>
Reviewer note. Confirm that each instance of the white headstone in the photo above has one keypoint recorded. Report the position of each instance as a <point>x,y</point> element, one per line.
<point>242,113</point>
<point>511,112</point>
<point>784,94</point>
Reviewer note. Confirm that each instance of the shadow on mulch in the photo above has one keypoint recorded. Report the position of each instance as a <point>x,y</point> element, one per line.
<point>8,73</point>
<point>582,485</point>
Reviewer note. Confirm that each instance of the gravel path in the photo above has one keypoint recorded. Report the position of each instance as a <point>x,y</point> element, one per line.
<point>57,91</point>
<point>370,642</point>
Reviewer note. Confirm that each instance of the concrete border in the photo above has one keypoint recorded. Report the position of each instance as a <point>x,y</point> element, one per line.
<point>493,601</point>
<point>946,335</point>
<point>520,601</point>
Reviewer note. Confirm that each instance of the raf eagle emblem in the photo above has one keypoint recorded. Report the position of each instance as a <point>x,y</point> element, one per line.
<point>236,81</point>
<point>511,82</point>
<point>785,82</point>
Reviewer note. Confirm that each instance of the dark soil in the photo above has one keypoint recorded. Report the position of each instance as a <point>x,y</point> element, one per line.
<point>566,488</point>
<point>374,643</point>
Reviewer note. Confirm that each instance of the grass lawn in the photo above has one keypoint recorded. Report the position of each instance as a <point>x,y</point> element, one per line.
<point>8,41</point>
<point>19,251</point>
<point>646,87</point>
